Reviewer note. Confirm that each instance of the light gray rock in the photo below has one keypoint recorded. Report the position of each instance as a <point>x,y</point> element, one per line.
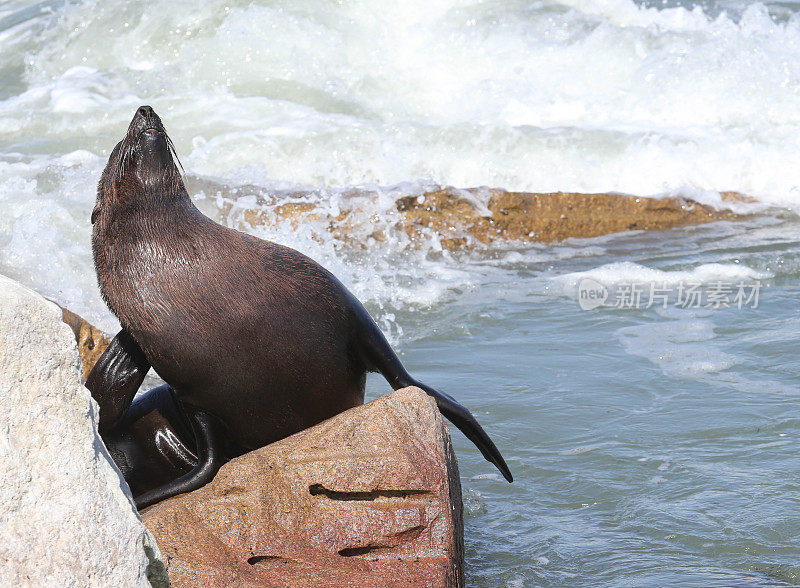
<point>66,514</point>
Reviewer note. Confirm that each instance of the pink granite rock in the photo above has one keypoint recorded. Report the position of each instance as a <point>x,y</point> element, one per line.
<point>368,498</point>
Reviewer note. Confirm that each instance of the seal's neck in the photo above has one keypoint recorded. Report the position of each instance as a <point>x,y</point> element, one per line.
<point>138,251</point>
<point>143,215</point>
<point>128,227</point>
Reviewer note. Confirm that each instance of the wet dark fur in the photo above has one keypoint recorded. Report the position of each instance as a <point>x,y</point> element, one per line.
<point>255,333</point>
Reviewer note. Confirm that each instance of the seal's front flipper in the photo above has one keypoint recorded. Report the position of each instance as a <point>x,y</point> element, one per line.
<point>208,431</point>
<point>115,379</point>
<point>378,355</point>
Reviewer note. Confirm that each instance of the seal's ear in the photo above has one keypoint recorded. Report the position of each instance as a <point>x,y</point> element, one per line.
<point>95,212</point>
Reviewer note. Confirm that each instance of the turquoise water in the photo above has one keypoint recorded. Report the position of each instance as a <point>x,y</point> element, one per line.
<point>651,446</point>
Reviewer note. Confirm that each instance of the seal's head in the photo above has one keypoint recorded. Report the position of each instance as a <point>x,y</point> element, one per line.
<point>143,166</point>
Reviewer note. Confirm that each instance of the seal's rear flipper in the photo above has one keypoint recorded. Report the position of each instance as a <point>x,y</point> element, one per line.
<point>378,355</point>
<point>208,435</point>
<point>467,424</point>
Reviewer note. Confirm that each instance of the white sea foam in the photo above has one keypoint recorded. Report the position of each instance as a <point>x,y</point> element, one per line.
<point>45,231</point>
<point>684,347</point>
<point>576,95</point>
<point>570,95</point>
<point>627,272</point>
<point>684,344</point>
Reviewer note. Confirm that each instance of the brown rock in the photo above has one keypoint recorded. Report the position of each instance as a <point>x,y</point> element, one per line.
<point>91,341</point>
<point>479,216</point>
<point>524,217</point>
<point>369,498</point>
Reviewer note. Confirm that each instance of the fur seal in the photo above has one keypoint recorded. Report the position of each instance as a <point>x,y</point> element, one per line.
<point>256,340</point>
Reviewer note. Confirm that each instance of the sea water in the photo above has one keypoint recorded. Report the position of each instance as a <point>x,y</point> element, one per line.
<point>654,442</point>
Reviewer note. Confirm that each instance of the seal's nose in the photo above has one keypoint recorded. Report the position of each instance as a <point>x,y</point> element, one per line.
<point>145,120</point>
<point>146,112</point>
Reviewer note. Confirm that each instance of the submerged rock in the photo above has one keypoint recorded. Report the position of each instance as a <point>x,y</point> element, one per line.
<point>523,217</point>
<point>66,515</point>
<point>368,498</point>
<point>461,218</point>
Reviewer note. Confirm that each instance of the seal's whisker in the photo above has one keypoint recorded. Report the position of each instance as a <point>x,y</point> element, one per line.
<point>174,153</point>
